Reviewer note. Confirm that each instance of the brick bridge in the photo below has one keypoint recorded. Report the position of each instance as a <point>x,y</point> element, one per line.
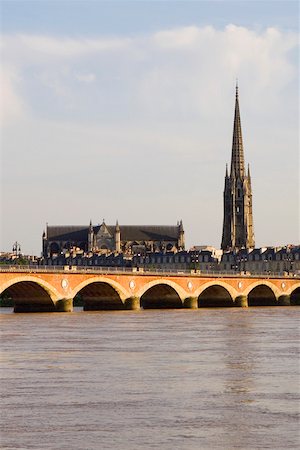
<point>53,289</point>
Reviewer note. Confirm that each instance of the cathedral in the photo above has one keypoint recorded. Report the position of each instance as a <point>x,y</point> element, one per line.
<point>107,239</point>
<point>238,221</point>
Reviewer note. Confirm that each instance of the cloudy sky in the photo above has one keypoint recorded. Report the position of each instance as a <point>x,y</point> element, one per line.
<point>124,110</point>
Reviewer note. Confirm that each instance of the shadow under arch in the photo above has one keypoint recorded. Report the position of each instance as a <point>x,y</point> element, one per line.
<point>30,295</point>
<point>295,296</point>
<point>161,296</point>
<point>99,295</point>
<point>215,296</point>
<point>262,295</point>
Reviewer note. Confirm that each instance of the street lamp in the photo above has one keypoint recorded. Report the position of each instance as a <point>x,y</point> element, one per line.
<point>16,249</point>
<point>194,259</point>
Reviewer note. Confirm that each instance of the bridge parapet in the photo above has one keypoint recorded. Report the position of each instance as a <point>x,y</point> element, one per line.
<point>145,271</point>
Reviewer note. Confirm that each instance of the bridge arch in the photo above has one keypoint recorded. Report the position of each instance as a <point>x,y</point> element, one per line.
<point>123,293</point>
<point>162,293</point>
<point>295,295</point>
<point>262,293</point>
<point>101,293</point>
<point>179,290</point>
<point>31,294</point>
<point>216,293</point>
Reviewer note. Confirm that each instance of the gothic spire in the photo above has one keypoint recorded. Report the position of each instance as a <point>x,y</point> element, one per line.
<point>238,219</point>
<point>237,156</point>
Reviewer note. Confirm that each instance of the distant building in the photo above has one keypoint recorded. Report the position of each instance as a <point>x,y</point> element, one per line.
<point>284,260</point>
<point>216,253</point>
<point>238,220</point>
<point>106,239</point>
<point>160,260</point>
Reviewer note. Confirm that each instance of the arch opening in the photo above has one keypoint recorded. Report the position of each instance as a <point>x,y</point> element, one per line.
<point>99,296</point>
<point>161,296</point>
<point>215,296</point>
<point>29,296</point>
<point>262,295</point>
<point>295,297</point>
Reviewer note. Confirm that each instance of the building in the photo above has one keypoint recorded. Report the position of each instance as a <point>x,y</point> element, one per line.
<point>194,260</point>
<point>279,260</point>
<point>106,239</point>
<point>238,220</point>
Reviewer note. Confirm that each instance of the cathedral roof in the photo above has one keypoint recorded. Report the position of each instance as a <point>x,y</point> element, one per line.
<point>128,232</point>
<point>67,232</point>
<point>147,232</point>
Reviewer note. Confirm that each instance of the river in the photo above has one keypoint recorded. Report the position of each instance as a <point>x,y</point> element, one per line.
<point>155,379</point>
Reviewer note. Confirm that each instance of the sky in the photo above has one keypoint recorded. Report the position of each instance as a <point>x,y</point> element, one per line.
<point>123,110</point>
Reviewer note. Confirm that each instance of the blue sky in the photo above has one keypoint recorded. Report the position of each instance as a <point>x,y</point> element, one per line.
<point>130,17</point>
<point>124,110</point>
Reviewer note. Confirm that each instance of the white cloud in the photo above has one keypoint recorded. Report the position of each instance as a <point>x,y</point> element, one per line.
<point>86,77</point>
<point>52,47</point>
<point>12,106</point>
<point>183,38</point>
<point>180,71</point>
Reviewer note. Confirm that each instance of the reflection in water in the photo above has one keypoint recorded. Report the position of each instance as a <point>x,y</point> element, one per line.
<point>176,379</point>
<point>239,380</point>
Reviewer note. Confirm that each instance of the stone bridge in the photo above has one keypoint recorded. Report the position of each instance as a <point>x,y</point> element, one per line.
<point>53,289</point>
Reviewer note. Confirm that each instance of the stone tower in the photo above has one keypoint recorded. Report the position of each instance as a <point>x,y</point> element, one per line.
<point>238,221</point>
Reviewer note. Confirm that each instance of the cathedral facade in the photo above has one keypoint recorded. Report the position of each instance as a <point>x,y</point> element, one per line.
<point>238,220</point>
<point>107,239</point>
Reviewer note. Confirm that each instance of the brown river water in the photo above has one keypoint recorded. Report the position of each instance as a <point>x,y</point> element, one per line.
<point>156,379</point>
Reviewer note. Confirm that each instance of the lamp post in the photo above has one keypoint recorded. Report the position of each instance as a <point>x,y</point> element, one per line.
<point>194,260</point>
<point>265,264</point>
<point>242,264</point>
<point>289,264</point>
<point>16,249</point>
<point>238,263</point>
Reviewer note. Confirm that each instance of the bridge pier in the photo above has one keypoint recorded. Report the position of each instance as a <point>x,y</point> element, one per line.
<point>284,300</point>
<point>191,303</point>
<point>241,301</point>
<point>64,305</point>
<point>132,303</point>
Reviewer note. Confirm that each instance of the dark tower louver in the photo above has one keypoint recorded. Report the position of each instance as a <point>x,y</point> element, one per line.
<point>238,221</point>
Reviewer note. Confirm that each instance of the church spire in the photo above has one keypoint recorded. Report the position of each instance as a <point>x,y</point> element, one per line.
<point>238,220</point>
<point>237,156</point>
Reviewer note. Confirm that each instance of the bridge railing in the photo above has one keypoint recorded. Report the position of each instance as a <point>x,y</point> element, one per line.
<point>142,271</point>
